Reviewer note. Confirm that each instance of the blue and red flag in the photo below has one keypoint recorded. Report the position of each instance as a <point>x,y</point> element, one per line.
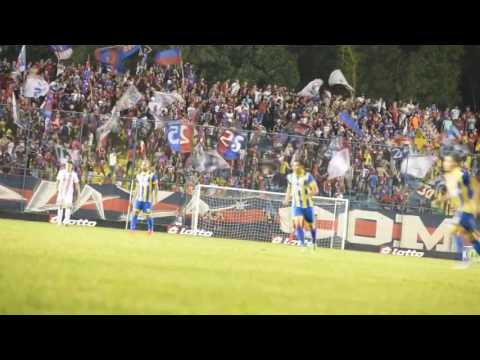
<point>169,57</point>
<point>128,50</point>
<point>230,145</point>
<point>110,56</point>
<point>180,137</point>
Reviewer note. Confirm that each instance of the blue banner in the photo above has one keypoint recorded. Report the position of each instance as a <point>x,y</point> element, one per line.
<point>351,123</point>
<point>173,135</point>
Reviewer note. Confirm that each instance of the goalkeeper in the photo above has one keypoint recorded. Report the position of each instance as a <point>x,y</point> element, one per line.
<point>301,188</point>
<point>465,190</point>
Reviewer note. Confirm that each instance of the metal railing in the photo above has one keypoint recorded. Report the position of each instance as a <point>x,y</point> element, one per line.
<point>264,143</point>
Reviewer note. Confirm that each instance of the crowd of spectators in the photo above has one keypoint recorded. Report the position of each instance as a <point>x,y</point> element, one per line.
<point>277,124</point>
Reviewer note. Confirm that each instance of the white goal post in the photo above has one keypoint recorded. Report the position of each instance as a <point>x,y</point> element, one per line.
<point>260,215</point>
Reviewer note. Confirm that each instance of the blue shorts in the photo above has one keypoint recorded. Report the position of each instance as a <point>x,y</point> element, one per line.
<point>466,221</point>
<point>307,213</point>
<point>144,206</point>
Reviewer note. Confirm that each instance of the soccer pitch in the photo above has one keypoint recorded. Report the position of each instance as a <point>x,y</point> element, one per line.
<point>50,270</point>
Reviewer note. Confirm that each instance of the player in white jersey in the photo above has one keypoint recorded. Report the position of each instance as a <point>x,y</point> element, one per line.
<point>67,183</point>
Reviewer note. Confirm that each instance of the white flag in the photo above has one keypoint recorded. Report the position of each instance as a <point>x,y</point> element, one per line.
<point>35,87</point>
<point>339,164</point>
<point>22,60</point>
<point>337,78</point>
<point>14,109</point>
<point>107,127</point>
<point>312,89</point>
<point>131,97</point>
<point>206,161</point>
<point>417,166</point>
<point>163,100</point>
<point>60,69</point>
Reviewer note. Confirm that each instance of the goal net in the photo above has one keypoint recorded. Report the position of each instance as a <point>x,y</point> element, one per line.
<point>260,215</point>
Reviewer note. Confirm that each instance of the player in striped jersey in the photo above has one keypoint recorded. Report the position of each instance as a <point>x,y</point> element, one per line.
<point>464,192</point>
<point>144,196</point>
<point>301,188</point>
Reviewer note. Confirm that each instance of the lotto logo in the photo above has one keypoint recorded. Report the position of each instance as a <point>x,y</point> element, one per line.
<point>182,231</point>
<point>400,252</point>
<point>80,222</point>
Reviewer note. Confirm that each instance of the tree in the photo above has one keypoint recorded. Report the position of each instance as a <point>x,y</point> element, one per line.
<point>380,71</point>
<point>348,61</point>
<point>433,74</point>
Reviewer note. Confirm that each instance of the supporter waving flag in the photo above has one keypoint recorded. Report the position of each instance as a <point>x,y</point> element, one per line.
<point>63,52</point>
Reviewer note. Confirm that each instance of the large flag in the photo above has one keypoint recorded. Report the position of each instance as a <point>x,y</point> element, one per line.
<point>163,100</point>
<point>128,50</point>
<point>180,137</point>
<point>350,123</point>
<point>63,52</point>
<point>230,144</point>
<point>129,99</point>
<point>22,60</point>
<point>106,128</point>
<point>35,87</point>
<point>417,166</point>
<point>312,89</point>
<point>337,78</point>
<point>111,56</point>
<point>169,57</point>
<point>207,161</point>
<point>339,164</point>
<point>15,111</point>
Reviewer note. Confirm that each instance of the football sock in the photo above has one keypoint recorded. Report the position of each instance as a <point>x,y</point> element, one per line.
<point>59,216</point>
<point>459,244</point>
<point>300,235</point>
<point>314,235</point>
<point>476,246</point>
<point>68,212</point>
<point>150,224</point>
<point>133,223</point>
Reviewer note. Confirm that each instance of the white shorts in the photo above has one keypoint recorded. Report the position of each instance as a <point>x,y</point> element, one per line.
<point>65,201</point>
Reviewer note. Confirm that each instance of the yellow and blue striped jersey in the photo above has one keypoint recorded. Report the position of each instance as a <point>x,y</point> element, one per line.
<point>299,186</point>
<point>464,191</point>
<point>145,186</point>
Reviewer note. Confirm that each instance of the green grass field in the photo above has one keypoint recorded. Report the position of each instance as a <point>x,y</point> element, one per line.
<point>50,270</point>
